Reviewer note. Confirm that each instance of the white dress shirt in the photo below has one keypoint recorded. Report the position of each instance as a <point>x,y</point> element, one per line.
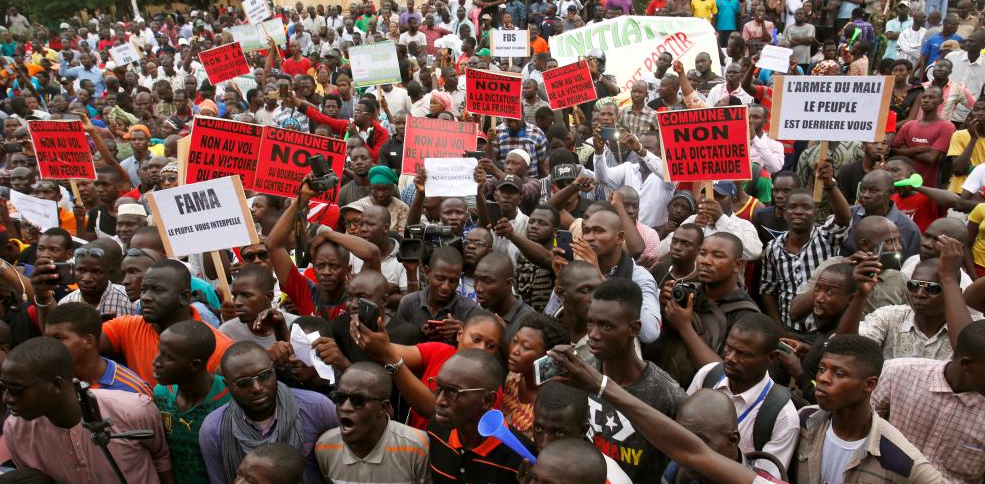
<point>752,247</point>
<point>654,192</point>
<point>971,74</point>
<point>767,152</point>
<point>721,90</point>
<point>909,43</point>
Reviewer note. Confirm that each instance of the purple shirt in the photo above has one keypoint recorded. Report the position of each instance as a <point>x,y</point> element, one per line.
<point>317,417</point>
<point>404,17</point>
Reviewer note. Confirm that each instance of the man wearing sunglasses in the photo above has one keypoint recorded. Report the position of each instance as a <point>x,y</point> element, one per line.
<point>368,446</point>
<point>262,411</point>
<point>929,325</point>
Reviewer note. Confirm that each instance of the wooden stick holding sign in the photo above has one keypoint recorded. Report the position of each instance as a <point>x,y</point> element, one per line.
<point>220,272</point>
<point>822,154</point>
<point>75,193</point>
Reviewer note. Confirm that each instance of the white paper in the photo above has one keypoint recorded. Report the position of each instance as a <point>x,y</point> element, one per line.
<point>833,108</point>
<point>301,343</point>
<point>374,64</point>
<point>256,10</point>
<point>249,36</point>
<point>203,216</point>
<point>39,212</point>
<point>273,28</point>
<point>774,58</point>
<point>450,177</point>
<point>510,43</point>
<point>324,370</point>
<point>124,54</point>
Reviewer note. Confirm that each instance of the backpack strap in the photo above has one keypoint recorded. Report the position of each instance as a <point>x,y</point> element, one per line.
<point>762,428</point>
<point>713,376</point>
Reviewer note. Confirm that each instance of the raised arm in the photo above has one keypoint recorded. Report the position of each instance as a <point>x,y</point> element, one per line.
<point>956,312</point>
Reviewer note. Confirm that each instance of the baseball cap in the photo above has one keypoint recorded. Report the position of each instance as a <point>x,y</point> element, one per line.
<point>572,8</point>
<point>564,173</point>
<point>725,188</point>
<point>511,180</point>
<point>64,26</point>
<point>486,16</point>
<point>904,3</point>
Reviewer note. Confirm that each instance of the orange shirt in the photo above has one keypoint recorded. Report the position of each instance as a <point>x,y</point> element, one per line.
<point>66,220</point>
<point>539,46</point>
<point>137,341</point>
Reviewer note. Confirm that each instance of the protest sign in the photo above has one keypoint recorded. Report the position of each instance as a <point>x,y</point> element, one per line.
<point>284,158</point>
<point>774,58</point>
<point>38,212</point>
<point>273,28</point>
<point>450,177</point>
<point>435,138</point>
<point>493,94</point>
<point>830,108</point>
<point>705,144</point>
<point>374,64</point>
<point>256,10</point>
<point>224,63</point>
<point>249,37</point>
<point>62,150</point>
<point>124,54</point>
<point>510,43</point>
<point>632,44</point>
<point>569,85</point>
<point>222,148</point>
<point>202,217</point>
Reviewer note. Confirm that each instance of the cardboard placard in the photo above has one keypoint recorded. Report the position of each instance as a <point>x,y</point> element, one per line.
<point>493,94</point>
<point>249,37</point>
<point>775,58</point>
<point>273,28</point>
<point>632,44</point>
<point>450,177</point>
<point>705,144</point>
<point>202,217</point>
<point>256,10</point>
<point>62,150</point>
<point>284,161</point>
<point>223,148</point>
<point>374,64</point>
<point>831,108</point>
<point>124,54</point>
<point>38,212</point>
<point>510,43</point>
<point>435,138</point>
<point>570,85</point>
<point>224,63</point>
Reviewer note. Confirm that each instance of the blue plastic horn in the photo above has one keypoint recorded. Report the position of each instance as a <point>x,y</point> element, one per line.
<point>492,424</point>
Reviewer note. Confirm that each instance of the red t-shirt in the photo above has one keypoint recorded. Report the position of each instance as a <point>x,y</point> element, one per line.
<point>434,355</point>
<point>304,295</point>
<point>293,67</point>
<point>935,134</point>
<point>654,5</point>
<point>918,207</point>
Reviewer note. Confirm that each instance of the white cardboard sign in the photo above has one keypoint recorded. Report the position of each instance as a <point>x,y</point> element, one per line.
<point>256,10</point>
<point>776,59</point>
<point>124,54</point>
<point>831,108</point>
<point>510,43</point>
<point>202,217</point>
<point>450,177</point>
<point>38,212</point>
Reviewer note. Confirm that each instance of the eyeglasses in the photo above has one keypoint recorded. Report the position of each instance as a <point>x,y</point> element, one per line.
<point>90,251</point>
<point>932,288</point>
<point>357,401</point>
<point>136,252</point>
<point>247,381</point>
<point>260,255</point>
<point>16,391</point>
<point>451,392</point>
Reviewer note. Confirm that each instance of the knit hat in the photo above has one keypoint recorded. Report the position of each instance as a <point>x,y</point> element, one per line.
<point>687,196</point>
<point>382,175</point>
<point>522,154</point>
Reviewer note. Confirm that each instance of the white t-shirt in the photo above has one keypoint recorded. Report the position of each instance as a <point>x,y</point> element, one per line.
<point>406,38</point>
<point>975,180</point>
<point>835,455</point>
<point>392,269</point>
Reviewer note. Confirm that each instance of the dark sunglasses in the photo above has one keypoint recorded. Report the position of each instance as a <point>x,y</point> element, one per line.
<point>247,381</point>
<point>260,255</point>
<point>89,251</point>
<point>357,401</point>
<point>135,252</point>
<point>932,288</point>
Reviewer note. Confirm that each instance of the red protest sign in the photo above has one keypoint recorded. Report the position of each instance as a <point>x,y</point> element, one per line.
<point>284,158</point>
<point>62,149</point>
<point>706,144</point>
<point>221,148</point>
<point>493,94</point>
<point>435,138</point>
<point>569,85</point>
<point>224,62</point>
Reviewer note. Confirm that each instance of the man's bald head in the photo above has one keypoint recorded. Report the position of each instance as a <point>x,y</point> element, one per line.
<point>607,218</point>
<point>883,178</point>
<point>950,227</point>
<point>498,263</point>
<point>711,416</point>
<point>378,213</point>
<point>873,228</point>
<point>629,194</point>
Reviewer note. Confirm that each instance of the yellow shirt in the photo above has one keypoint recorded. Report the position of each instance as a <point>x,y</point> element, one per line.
<point>977,216</point>
<point>704,9</point>
<point>959,141</point>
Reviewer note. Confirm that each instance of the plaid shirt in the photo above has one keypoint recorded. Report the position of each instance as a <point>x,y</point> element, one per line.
<point>948,427</point>
<point>640,123</point>
<point>113,301</point>
<point>783,271</point>
<point>892,327</point>
<point>530,139</point>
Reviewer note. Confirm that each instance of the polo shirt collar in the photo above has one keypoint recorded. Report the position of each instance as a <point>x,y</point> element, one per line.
<point>483,449</point>
<point>909,325</point>
<point>448,308</point>
<point>374,456</point>
<point>749,395</point>
<point>109,375</point>
<point>512,314</point>
<point>938,384</point>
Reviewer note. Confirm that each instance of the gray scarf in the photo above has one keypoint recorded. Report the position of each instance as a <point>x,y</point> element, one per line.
<point>239,437</point>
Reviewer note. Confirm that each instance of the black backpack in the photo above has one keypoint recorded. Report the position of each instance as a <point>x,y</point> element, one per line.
<point>762,429</point>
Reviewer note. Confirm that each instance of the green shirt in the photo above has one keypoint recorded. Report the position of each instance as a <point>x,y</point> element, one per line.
<point>182,429</point>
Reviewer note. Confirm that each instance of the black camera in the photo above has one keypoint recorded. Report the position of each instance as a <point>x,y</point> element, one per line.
<point>421,239</point>
<point>323,178</point>
<point>682,290</point>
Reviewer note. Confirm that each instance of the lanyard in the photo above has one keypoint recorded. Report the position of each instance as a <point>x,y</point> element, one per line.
<point>756,402</point>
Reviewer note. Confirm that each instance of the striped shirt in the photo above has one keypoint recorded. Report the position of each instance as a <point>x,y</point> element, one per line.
<point>638,123</point>
<point>113,301</point>
<point>119,377</point>
<point>783,271</point>
<point>400,456</point>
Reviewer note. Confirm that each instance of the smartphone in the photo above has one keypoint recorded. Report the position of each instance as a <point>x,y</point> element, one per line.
<point>785,348</point>
<point>562,239</point>
<point>66,273</point>
<point>369,312</point>
<point>546,368</point>
<point>12,147</point>
<point>610,134</point>
<point>890,260</point>
<point>284,90</point>
<point>430,60</point>
<point>434,323</point>
<point>478,155</point>
<point>495,213</point>
<point>878,255</point>
<point>410,249</point>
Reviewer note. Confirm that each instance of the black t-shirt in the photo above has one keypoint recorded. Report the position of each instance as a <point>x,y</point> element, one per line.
<point>768,224</point>
<point>100,215</point>
<point>392,154</point>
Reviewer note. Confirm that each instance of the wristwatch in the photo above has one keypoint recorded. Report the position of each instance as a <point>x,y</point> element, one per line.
<point>395,367</point>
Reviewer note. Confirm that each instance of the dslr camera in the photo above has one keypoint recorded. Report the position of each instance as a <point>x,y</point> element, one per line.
<point>421,239</point>
<point>682,290</point>
<point>323,178</point>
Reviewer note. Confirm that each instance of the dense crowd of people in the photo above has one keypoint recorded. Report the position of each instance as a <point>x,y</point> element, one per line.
<point>820,323</point>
